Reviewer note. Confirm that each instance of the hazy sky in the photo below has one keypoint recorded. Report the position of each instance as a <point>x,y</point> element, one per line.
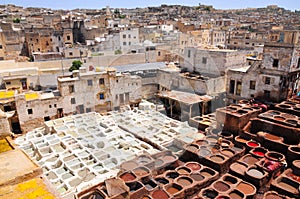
<point>71,4</point>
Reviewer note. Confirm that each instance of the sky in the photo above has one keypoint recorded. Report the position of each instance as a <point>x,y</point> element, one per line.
<point>98,4</point>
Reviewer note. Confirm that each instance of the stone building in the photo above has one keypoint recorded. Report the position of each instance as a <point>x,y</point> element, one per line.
<point>273,78</point>
<point>212,61</point>
<point>80,93</point>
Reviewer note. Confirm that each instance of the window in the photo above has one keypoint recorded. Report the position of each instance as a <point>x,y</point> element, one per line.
<point>70,53</point>
<point>68,37</point>
<point>55,105</point>
<point>73,101</point>
<point>124,43</point>
<point>8,83</point>
<point>47,118</point>
<point>298,65</point>
<point>37,40</point>
<point>129,36</point>
<point>238,88</point>
<point>231,86</point>
<point>124,36</point>
<point>50,106</point>
<point>267,94</point>
<point>275,63</point>
<point>71,89</point>
<point>252,85</point>
<point>158,53</point>
<point>90,82</point>
<point>88,110</point>
<point>101,81</point>
<point>1,47</point>
<point>204,60</point>
<point>101,96</point>
<point>267,80</point>
<point>129,43</point>
<point>189,53</point>
<point>29,111</point>
<point>47,43</point>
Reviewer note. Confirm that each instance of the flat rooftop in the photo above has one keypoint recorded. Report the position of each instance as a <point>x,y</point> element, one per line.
<point>184,97</point>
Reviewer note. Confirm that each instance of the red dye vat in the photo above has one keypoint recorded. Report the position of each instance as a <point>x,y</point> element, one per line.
<point>159,194</point>
<point>252,144</point>
<point>127,177</point>
<point>259,153</point>
<point>194,166</point>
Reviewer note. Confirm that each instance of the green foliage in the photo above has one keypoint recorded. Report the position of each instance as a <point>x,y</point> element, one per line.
<point>16,20</point>
<point>76,64</point>
<point>207,8</point>
<point>118,52</point>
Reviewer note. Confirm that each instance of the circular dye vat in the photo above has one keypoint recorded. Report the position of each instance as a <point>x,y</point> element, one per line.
<point>255,173</point>
<point>197,177</point>
<point>204,152</point>
<point>160,194</point>
<point>127,177</point>
<point>210,193</point>
<point>274,156</point>
<point>143,160</point>
<point>172,175</point>
<point>259,153</point>
<point>169,158</point>
<point>230,180</point>
<point>252,144</point>
<point>250,160</point>
<point>183,171</point>
<point>246,188</point>
<point>172,190</point>
<point>227,152</point>
<point>141,171</point>
<point>162,180</point>
<point>194,166</point>
<point>201,142</point>
<point>217,158</point>
<point>279,118</point>
<point>184,181</point>
<point>192,148</point>
<point>273,196</point>
<point>236,195</point>
<point>158,162</point>
<point>221,186</point>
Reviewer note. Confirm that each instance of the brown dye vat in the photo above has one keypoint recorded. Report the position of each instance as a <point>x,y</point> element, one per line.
<point>250,160</point>
<point>230,180</point>
<point>197,177</point>
<point>238,167</point>
<point>236,195</point>
<point>287,186</point>
<point>274,156</point>
<point>127,177</point>
<point>173,189</point>
<point>183,171</point>
<point>184,181</point>
<point>192,148</point>
<point>222,197</point>
<point>162,180</point>
<point>246,188</point>
<point>241,112</point>
<point>129,165</point>
<point>217,158</point>
<point>279,118</point>
<point>273,196</point>
<point>169,158</point>
<point>201,142</point>
<point>160,194</point>
<point>193,166</point>
<point>273,137</point>
<point>284,106</point>
<point>141,171</point>
<point>213,148</point>
<point>255,173</point>
<point>296,167</point>
<point>93,195</point>
<point>207,173</point>
<point>227,152</point>
<point>221,186</point>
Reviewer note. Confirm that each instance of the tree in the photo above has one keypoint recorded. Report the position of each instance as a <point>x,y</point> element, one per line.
<point>16,20</point>
<point>76,64</point>
<point>118,52</point>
